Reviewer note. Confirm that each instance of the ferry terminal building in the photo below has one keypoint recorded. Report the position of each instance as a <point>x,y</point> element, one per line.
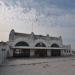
<point>32,45</point>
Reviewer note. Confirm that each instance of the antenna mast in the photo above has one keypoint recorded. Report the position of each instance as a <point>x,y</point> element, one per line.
<point>32,26</point>
<point>33,22</point>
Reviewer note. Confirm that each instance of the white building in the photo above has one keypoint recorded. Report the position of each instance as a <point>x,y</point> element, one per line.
<point>31,45</point>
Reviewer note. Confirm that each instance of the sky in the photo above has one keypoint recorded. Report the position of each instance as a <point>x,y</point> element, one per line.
<point>53,17</point>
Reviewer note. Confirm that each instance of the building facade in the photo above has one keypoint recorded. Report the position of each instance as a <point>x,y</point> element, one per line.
<point>4,51</point>
<point>32,45</point>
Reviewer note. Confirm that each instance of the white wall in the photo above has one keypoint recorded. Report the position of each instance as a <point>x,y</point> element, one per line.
<point>3,53</point>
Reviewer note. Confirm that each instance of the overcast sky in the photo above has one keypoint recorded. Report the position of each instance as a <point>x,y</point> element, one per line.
<point>53,17</point>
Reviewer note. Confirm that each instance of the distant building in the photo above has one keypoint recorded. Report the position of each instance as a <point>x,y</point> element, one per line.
<point>32,45</point>
<point>73,51</point>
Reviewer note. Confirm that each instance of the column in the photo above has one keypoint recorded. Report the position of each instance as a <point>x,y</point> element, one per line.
<point>32,52</point>
<point>48,53</point>
<point>11,53</point>
<point>62,53</point>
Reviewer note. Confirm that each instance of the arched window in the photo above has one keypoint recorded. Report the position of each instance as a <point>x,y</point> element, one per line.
<point>40,52</point>
<point>22,43</point>
<point>40,44</point>
<point>54,45</point>
<point>55,52</point>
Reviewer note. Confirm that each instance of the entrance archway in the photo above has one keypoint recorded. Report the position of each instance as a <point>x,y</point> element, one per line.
<point>55,52</point>
<point>21,52</point>
<point>40,52</point>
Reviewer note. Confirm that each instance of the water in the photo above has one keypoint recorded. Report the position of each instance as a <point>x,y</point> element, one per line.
<point>39,66</point>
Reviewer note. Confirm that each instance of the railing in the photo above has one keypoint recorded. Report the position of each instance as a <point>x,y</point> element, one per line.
<point>21,47</point>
